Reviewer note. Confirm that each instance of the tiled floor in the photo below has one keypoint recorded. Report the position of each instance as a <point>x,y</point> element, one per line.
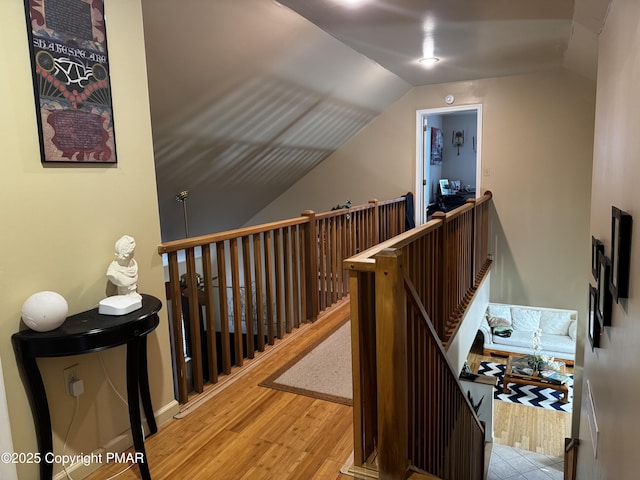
<point>509,463</point>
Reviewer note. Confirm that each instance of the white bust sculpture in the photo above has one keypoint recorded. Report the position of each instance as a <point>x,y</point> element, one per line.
<point>123,271</point>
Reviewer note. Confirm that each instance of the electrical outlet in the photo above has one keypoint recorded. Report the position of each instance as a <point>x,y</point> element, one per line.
<point>69,374</point>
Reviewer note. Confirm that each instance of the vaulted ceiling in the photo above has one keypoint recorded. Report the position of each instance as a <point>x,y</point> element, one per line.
<point>247,96</point>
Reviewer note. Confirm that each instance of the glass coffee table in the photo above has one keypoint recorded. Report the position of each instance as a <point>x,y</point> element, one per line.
<point>521,372</point>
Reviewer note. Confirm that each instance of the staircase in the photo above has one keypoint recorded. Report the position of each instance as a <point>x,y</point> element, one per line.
<point>408,297</point>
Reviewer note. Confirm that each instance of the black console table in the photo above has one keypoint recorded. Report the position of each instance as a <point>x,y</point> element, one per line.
<point>84,333</point>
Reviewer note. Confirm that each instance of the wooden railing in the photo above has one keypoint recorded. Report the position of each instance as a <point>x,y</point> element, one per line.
<point>237,292</point>
<point>408,296</point>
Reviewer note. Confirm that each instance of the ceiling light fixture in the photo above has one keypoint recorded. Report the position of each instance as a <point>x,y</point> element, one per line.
<point>428,61</point>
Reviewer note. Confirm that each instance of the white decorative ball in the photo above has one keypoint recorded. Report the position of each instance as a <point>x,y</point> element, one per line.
<point>44,311</point>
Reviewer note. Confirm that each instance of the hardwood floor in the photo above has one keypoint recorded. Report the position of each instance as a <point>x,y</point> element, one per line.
<point>251,432</point>
<point>529,428</point>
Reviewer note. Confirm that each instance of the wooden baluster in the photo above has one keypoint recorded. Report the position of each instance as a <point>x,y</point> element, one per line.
<point>304,275</point>
<point>375,224</point>
<point>311,266</point>
<point>322,263</point>
<point>268,258</point>
<point>345,253</point>
<point>237,304</point>
<point>260,304</point>
<point>333,262</point>
<point>223,302</point>
<point>194,322</point>
<point>210,319</point>
<point>176,324</point>
<point>277,248</point>
<point>441,277</point>
<point>296,271</point>
<point>249,311</point>
<point>288,272</point>
<point>363,338</point>
<point>358,353</point>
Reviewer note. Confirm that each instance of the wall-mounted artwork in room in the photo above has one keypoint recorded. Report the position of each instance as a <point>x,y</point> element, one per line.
<point>70,67</point>
<point>436,146</point>
<point>596,247</point>
<point>603,307</point>
<point>620,253</point>
<point>593,323</point>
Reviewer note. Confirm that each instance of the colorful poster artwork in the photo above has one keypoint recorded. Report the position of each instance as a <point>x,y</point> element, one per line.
<point>436,146</point>
<point>71,80</point>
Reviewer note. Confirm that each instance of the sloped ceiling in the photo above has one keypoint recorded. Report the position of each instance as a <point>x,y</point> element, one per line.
<point>247,96</point>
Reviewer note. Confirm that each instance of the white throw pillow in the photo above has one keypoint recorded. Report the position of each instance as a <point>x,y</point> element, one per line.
<point>525,319</point>
<point>500,311</point>
<point>499,322</point>
<point>573,327</point>
<point>554,322</point>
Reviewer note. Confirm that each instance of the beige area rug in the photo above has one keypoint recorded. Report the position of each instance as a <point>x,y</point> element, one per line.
<point>322,371</point>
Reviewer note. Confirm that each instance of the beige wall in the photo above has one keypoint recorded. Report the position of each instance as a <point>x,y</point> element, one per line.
<point>613,369</point>
<point>59,226</point>
<point>537,149</point>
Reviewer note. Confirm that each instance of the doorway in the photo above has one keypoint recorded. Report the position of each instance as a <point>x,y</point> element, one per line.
<point>448,158</point>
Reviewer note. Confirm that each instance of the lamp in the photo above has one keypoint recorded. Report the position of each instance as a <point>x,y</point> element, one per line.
<point>182,198</point>
<point>457,139</point>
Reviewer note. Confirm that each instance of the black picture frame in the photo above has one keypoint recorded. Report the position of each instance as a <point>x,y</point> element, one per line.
<point>603,305</point>
<point>621,223</point>
<point>71,81</point>
<point>593,325</point>
<point>596,247</point>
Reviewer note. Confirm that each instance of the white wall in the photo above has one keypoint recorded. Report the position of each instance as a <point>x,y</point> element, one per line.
<point>613,369</point>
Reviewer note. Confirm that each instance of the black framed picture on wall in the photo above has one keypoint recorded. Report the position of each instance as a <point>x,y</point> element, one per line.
<point>593,323</point>
<point>620,253</point>
<point>603,308</point>
<point>596,247</point>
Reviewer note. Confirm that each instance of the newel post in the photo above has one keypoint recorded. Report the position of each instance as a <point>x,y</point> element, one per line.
<point>391,341</point>
<point>310,256</point>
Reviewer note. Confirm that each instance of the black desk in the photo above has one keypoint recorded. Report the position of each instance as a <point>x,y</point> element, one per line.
<point>84,333</point>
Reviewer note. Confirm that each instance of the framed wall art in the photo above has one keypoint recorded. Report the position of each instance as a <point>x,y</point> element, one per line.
<point>593,323</point>
<point>70,68</point>
<point>620,253</point>
<point>436,146</point>
<point>596,247</point>
<point>603,309</point>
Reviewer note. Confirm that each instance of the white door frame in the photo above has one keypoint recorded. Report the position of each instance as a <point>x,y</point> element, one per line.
<point>420,210</point>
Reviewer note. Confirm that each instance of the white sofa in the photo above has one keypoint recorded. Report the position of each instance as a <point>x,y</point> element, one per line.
<point>558,327</point>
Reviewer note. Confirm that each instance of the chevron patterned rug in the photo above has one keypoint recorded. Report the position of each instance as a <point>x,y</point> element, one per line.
<point>527,394</point>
